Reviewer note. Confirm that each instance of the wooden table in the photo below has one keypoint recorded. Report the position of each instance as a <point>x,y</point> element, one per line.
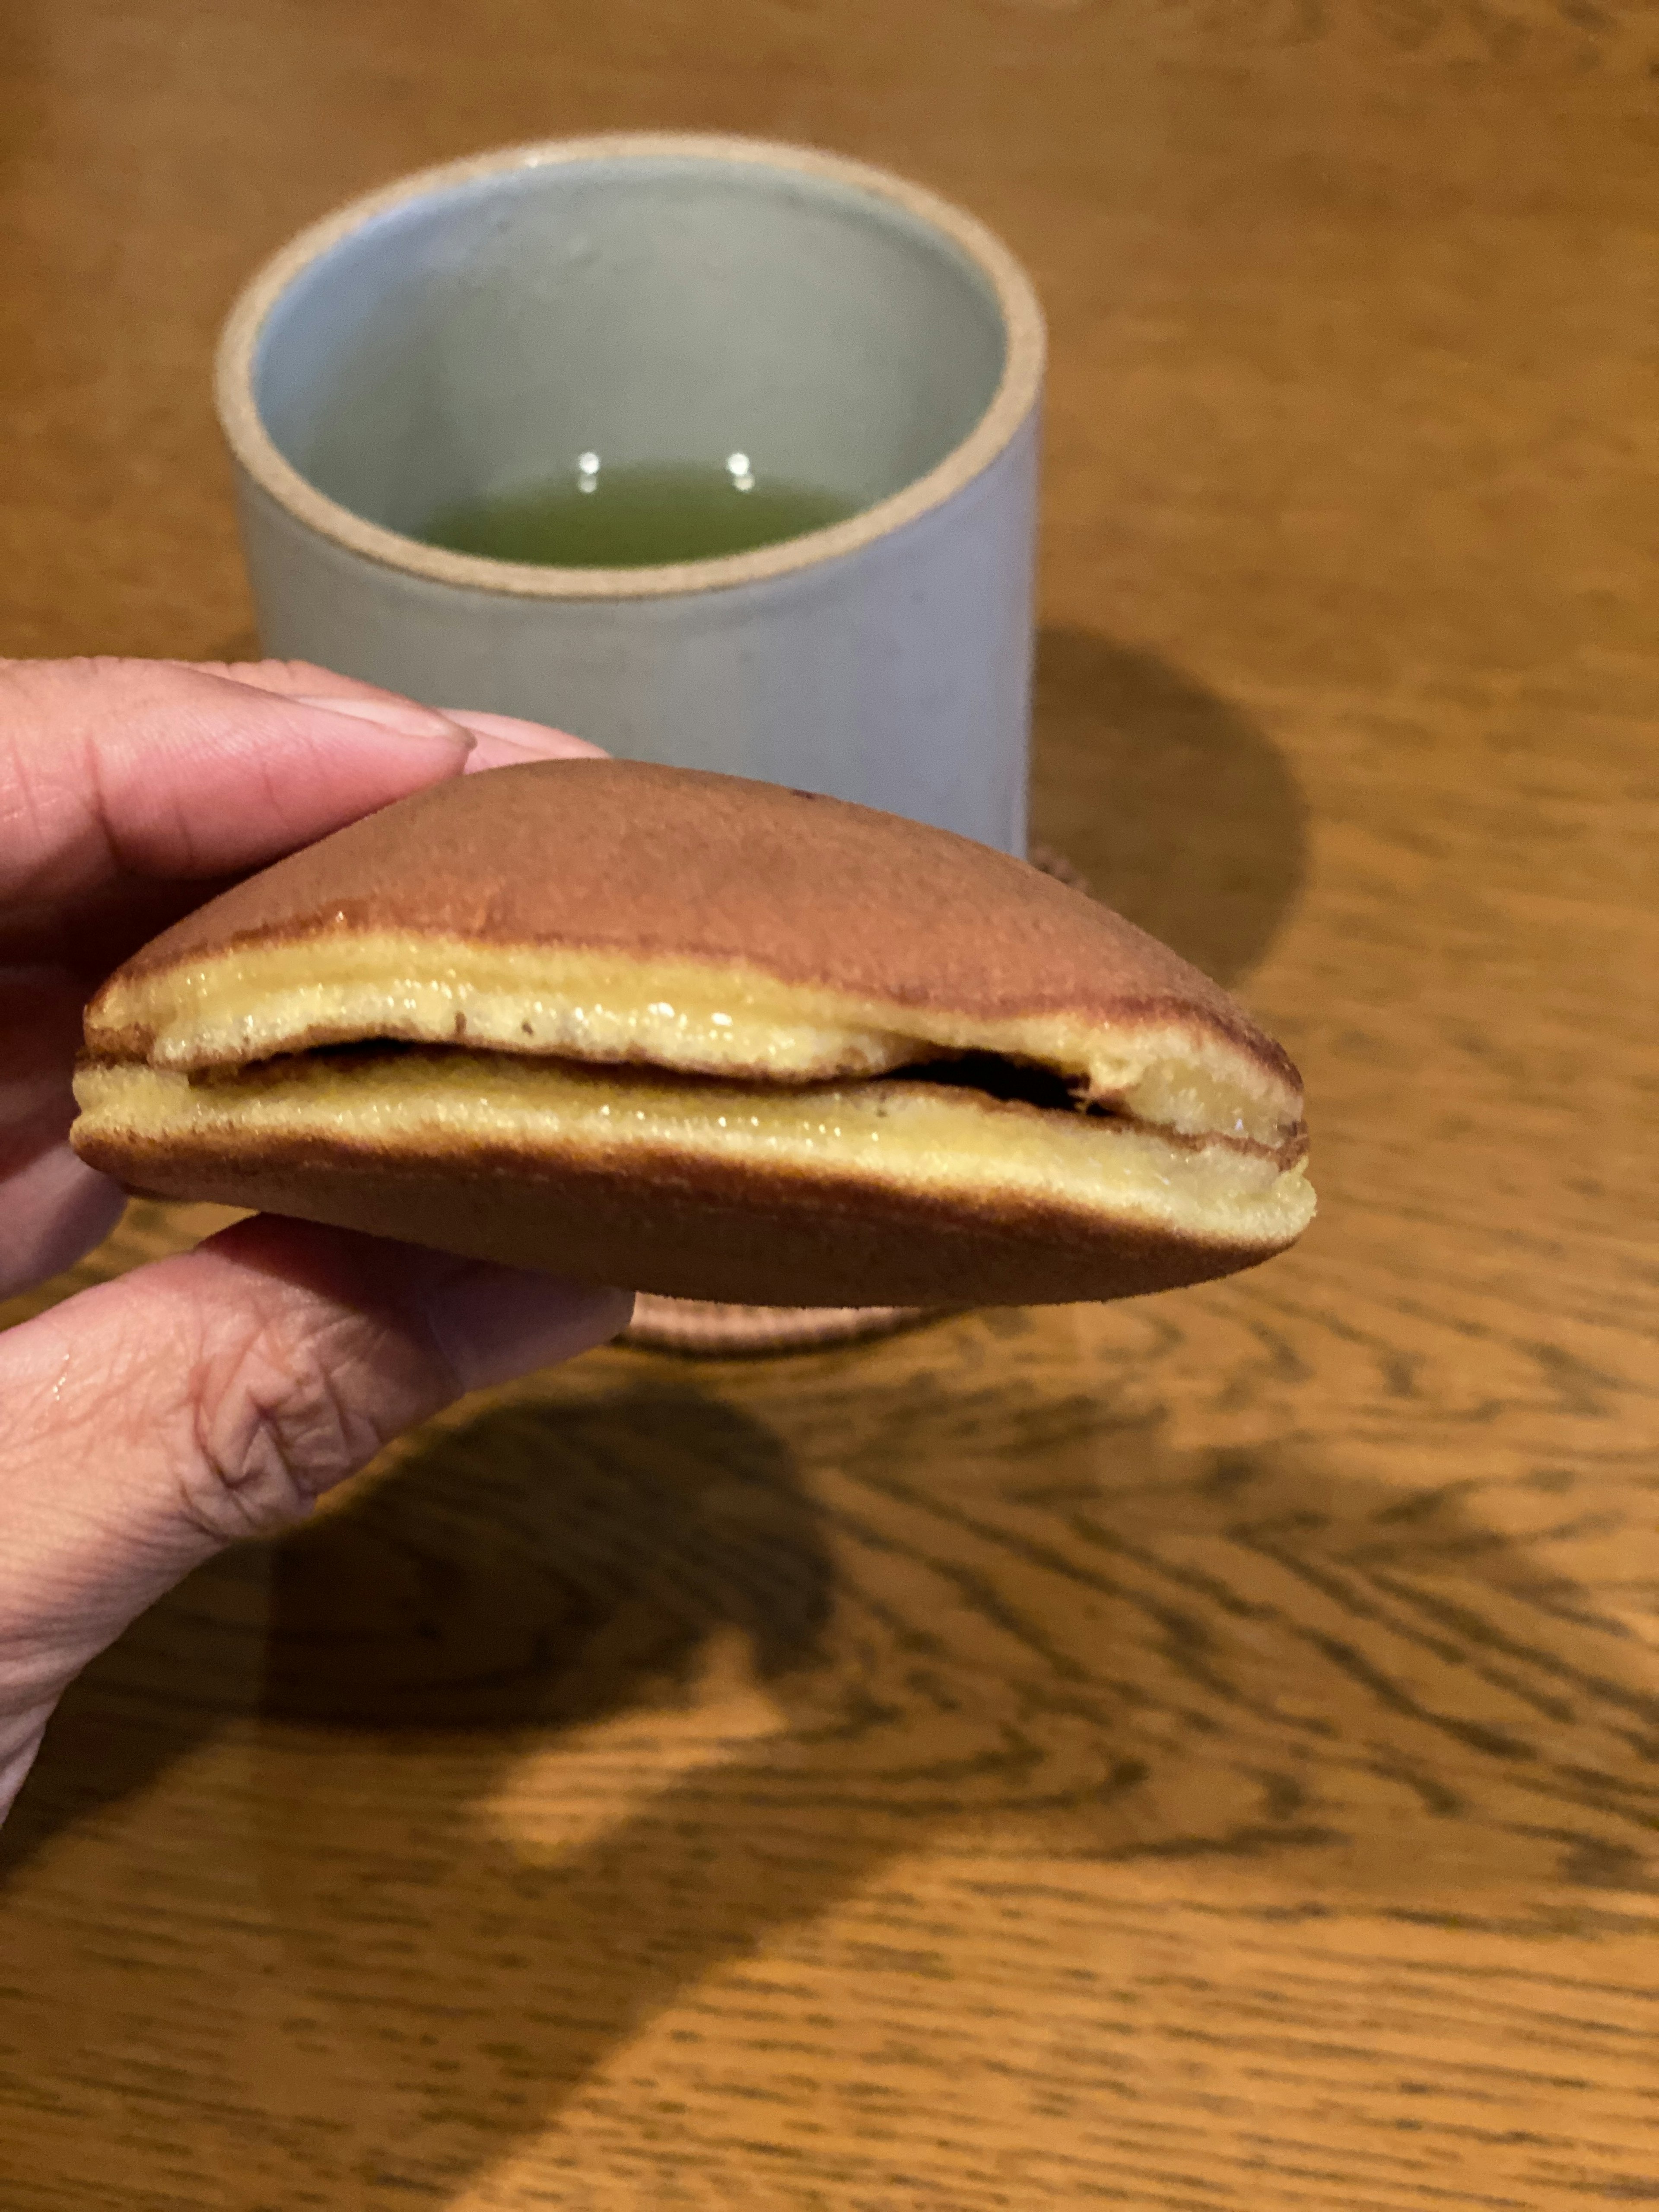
<point>1199,1753</point>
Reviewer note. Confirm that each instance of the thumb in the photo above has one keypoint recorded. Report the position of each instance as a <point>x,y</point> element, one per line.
<point>154,1419</point>
<point>129,790</point>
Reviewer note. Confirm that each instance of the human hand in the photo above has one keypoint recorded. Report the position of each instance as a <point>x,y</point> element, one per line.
<point>153,1419</point>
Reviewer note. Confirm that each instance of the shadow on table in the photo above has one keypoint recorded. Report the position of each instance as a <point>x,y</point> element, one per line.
<point>1179,810</point>
<point>1005,1628</point>
<point>531,1569</point>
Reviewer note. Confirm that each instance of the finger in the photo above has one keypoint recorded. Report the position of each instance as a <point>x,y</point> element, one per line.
<point>154,1419</point>
<point>504,741</point>
<point>40,1023</point>
<point>295,679</point>
<point>127,786</point>
<point>57,1210</point>
<point>53,1207</point>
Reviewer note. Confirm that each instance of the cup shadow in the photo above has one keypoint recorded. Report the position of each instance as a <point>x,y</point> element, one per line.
<point>1178,810</point>
<point>1131,1655</point>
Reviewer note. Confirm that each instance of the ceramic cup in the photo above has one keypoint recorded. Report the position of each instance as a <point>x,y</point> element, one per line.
<point>626,301</point>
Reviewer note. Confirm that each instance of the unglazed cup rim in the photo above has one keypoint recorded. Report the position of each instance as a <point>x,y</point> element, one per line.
<point>1011,402</point>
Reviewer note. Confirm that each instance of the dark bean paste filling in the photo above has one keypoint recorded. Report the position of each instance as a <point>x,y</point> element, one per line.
<point>358,1048</point>
<point>1011,1082</point>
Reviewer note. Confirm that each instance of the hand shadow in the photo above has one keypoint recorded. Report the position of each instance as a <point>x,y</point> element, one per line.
<point>530,1569</point>
<point>999,1625</point>
<point>1175,807</point>
<point>1138,1655</point>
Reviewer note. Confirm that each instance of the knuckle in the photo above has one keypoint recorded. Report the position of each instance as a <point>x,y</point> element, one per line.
<point>283,1419</point>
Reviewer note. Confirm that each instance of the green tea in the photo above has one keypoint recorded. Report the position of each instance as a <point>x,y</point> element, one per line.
<point>639,515</point>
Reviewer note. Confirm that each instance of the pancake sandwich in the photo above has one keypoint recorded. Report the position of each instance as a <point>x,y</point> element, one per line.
<point>704,1036</point>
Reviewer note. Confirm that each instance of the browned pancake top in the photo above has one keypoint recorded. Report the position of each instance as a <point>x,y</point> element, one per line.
<point>631,858</point>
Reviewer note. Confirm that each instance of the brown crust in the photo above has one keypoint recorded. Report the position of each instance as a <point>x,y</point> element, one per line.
<point>683,1228</point>
<point>651,861</point>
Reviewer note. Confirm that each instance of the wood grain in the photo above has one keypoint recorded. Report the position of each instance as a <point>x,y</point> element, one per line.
<point>1200,1753</point>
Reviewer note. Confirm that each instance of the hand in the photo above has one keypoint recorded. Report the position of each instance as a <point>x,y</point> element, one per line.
<point>153,1419</point>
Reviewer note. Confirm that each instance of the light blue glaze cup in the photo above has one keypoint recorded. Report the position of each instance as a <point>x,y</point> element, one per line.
<point>658,300</point>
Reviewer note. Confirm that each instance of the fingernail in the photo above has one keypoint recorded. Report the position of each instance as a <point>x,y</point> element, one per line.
<point>402,716</point>
<point>537,740</point>
<point>494,1324</point>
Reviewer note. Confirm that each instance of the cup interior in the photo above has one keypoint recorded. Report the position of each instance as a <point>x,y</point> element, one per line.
<point>489,334</point>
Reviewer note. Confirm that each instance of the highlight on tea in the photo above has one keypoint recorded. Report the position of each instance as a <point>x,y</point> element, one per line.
<point>636,514</point>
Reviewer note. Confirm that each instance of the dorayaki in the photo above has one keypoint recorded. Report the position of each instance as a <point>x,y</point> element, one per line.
<point>705,1037</point>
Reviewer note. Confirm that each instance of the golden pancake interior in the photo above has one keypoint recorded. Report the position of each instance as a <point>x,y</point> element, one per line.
<point>703,1036</point>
